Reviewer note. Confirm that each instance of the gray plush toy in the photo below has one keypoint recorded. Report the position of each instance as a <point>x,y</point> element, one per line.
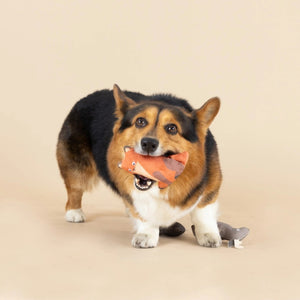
<point>233,235</point>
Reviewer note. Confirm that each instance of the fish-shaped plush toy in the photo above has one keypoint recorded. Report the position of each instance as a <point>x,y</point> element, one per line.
<point>162,169</point>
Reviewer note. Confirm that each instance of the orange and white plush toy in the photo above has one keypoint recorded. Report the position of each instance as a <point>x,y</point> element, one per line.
<point>162,169</point>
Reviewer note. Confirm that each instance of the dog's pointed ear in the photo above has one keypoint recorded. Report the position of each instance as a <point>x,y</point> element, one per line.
<point>206,114</point>
<point>122,101</point>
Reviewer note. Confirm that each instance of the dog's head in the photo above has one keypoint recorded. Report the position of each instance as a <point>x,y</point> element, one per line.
<point>161,128</point>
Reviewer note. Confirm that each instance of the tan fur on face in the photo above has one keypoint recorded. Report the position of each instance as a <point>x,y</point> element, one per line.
<point>179,192</point>
<point>169,142</point>
<point>131,136</point>
<point>136,134</point>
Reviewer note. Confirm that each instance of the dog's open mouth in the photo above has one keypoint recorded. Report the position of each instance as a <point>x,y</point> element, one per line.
<point>169,153</point>
<point>142,183</point>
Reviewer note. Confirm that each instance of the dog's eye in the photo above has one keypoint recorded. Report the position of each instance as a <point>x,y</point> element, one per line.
<point>171,128</point>
<point>140,122</point>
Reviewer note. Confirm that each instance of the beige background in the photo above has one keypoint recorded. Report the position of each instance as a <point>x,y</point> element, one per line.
<point>55,52</point>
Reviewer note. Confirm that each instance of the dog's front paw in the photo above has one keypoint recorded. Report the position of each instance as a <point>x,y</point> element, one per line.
<point>208,239</point>
<point>75,216</point>
<point>142,240</point>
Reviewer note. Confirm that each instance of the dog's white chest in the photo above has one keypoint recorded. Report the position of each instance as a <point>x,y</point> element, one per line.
<point>155,208</point>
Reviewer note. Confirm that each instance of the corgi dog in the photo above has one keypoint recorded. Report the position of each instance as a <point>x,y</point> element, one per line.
<point>91,146</point>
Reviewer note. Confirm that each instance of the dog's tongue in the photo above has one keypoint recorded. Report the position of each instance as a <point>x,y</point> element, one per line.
<point>163,169</point>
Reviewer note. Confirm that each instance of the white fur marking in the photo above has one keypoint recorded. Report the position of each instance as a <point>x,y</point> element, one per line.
<point>206,227</point>
<point>146,235</point>
<point>75,215</point>
<point>154,207</point>
<point>158,152</point>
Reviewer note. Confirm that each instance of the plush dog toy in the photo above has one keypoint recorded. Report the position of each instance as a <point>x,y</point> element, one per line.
<point>162,169</point>
<point>233,235</point>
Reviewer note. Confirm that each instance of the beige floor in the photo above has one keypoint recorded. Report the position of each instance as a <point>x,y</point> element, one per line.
<point>55,52</point>
<point>44,257</point>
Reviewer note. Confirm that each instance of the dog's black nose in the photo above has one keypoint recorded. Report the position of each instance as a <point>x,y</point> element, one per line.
<point>149,145</point>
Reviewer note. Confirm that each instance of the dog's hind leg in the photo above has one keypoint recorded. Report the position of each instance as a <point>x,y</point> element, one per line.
<point>79,172</point>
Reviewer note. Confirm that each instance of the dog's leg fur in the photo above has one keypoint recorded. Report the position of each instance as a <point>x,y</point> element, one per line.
<point>206,228</point>
<point>79,174</point>
<point>74,212</point>
<point>146,235</point>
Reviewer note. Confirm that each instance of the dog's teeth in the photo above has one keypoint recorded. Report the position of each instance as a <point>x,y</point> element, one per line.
<point>142,184</point>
